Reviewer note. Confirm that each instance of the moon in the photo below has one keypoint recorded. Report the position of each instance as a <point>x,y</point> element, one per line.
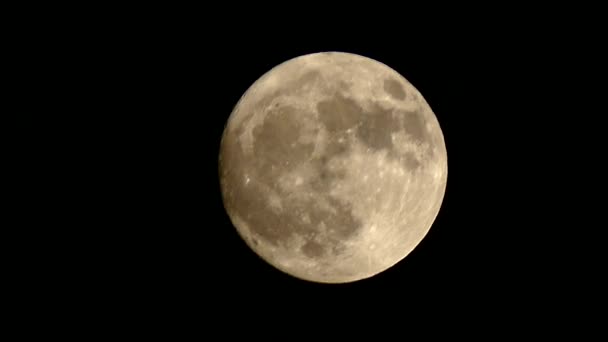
<point>332,167</point>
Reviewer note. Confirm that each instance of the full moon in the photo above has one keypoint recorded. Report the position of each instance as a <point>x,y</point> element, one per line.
<point>332,167</point>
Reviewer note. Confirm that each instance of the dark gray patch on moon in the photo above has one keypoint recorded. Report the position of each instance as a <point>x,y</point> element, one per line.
<point>278,226</point>
<point>275,213</point>
<point>338,143</point>
<point>339,113</point>
<point>306,79</point>
<point>414,124</point>
<point>343,223</point>
<point>343,86</point>
<point>276,143</point>
<point>250,203</point>
<point>277,151</point>
<point>243,199</point>
<point>394,89</point>
<point>376,129</point>
<point>410,161</point>
<point>323,179</point>
<point>313,249</point>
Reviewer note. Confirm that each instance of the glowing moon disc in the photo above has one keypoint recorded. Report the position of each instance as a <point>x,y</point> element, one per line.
<point>333,167</point>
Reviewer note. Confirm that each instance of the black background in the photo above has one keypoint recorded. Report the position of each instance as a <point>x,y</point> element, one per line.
<point>149,94</point>
<point>182,238</point>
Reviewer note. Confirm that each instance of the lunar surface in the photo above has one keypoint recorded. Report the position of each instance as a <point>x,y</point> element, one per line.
<point>332,167</point>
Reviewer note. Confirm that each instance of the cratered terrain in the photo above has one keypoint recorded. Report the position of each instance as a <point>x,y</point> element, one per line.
<point>333,167</point>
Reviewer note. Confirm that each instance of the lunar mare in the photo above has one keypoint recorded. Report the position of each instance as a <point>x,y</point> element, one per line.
<point>333,167</point>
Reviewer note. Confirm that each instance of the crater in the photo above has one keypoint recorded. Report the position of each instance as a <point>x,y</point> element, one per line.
<point>394,89</point>
<point>410,161</point>
<point>313,249</point>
